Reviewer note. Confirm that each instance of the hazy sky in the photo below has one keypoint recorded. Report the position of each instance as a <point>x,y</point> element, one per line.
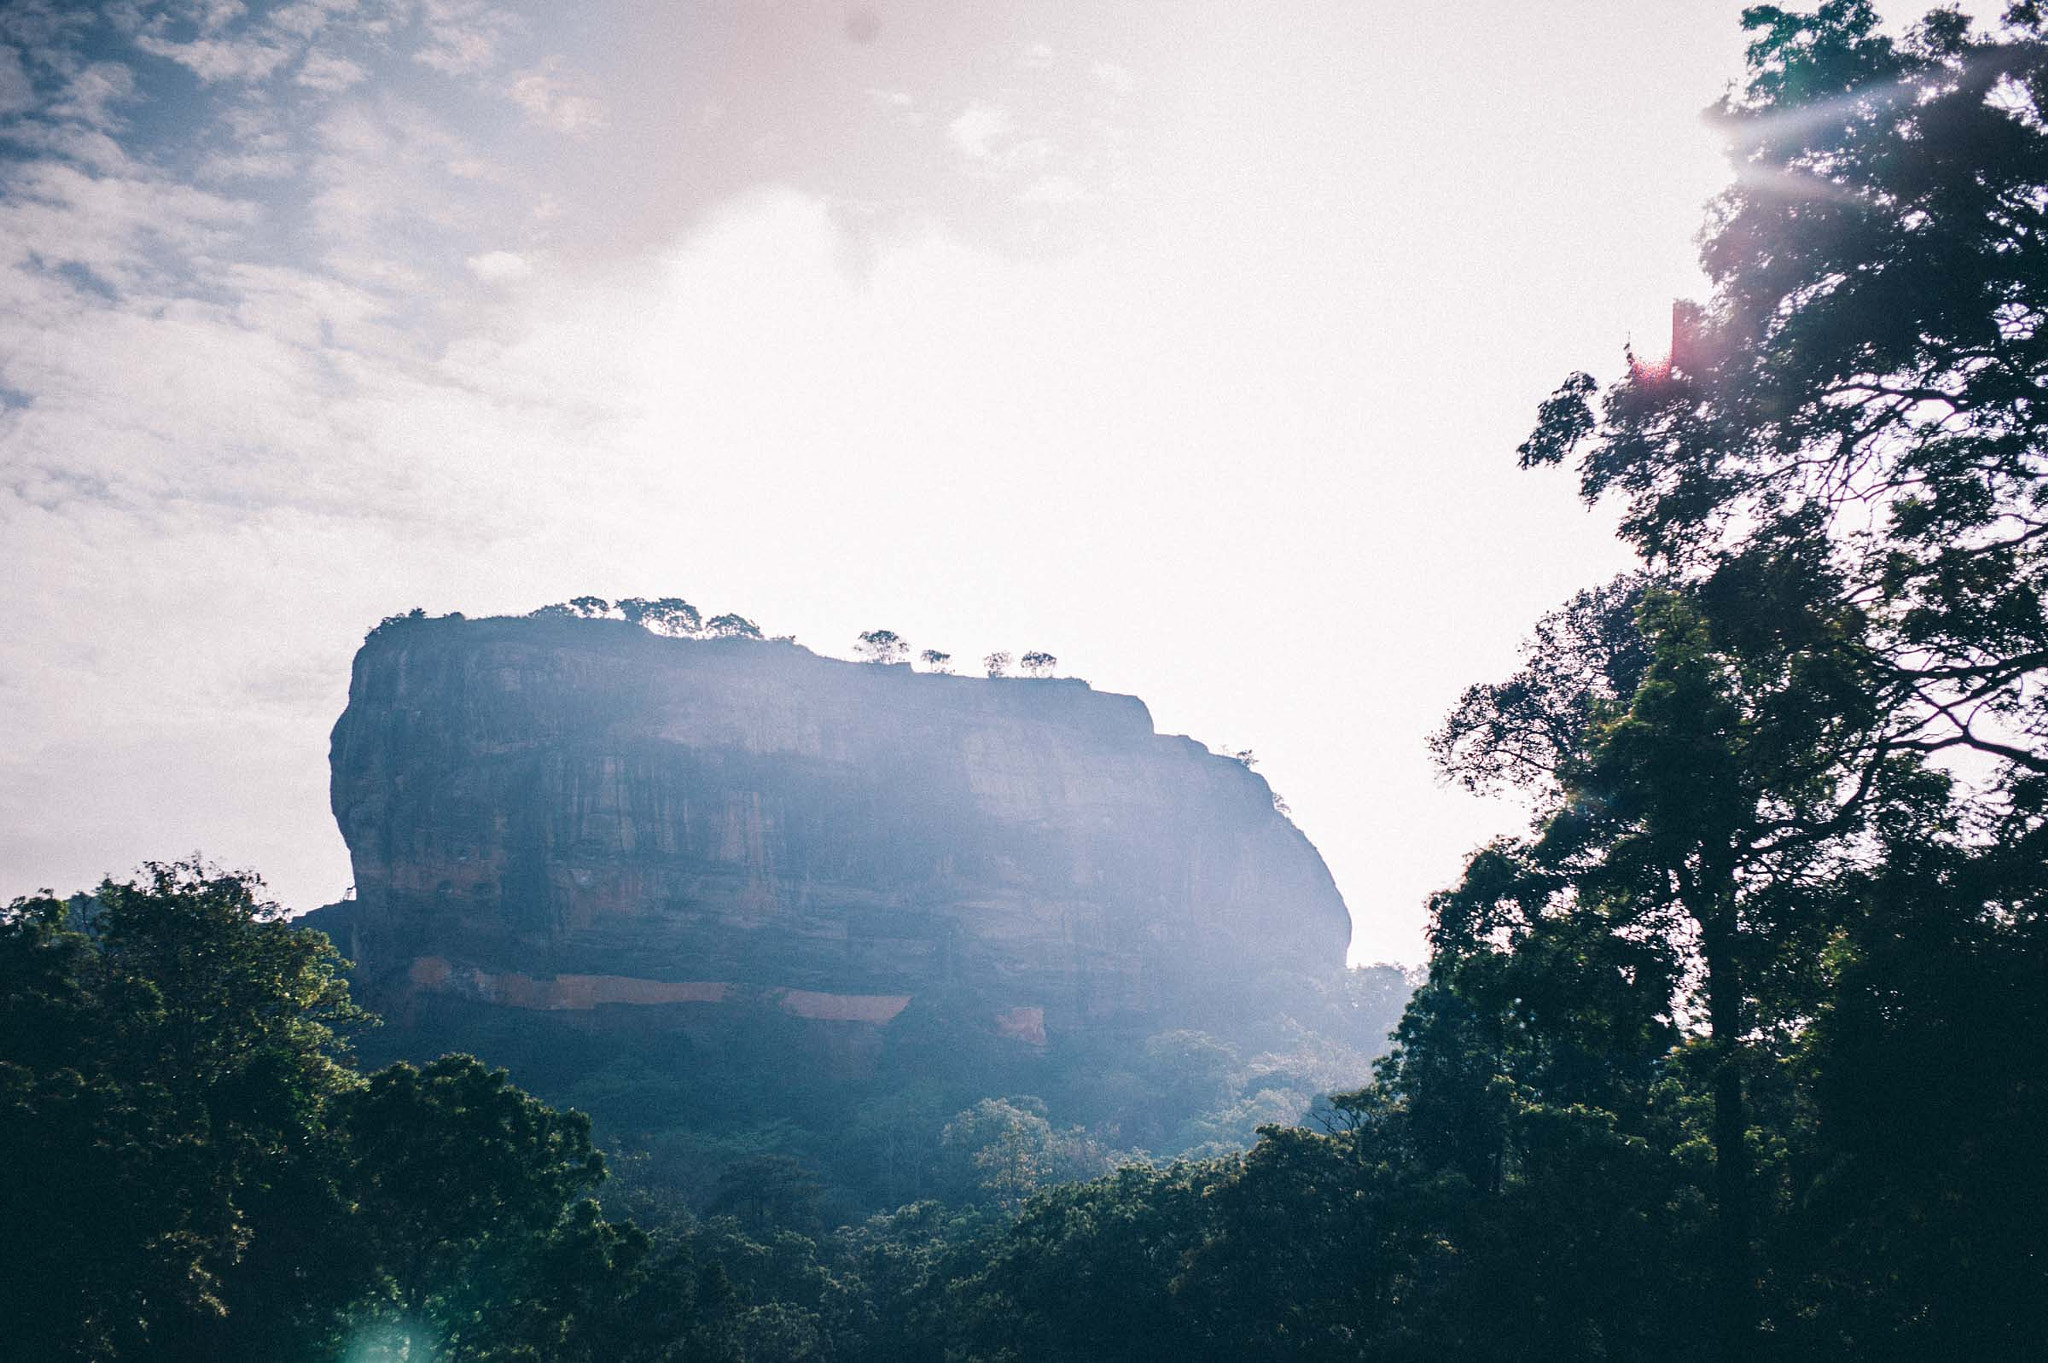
<point>1189,341</point>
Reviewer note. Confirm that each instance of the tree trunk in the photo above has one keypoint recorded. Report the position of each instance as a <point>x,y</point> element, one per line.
<point>1734,1308</point>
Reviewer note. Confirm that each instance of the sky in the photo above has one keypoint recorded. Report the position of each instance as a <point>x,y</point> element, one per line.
<point>1189,341</point>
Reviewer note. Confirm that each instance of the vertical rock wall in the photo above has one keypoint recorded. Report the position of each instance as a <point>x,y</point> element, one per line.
<point>580,817</point>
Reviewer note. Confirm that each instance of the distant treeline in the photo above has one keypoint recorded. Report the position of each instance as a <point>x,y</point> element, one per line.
<point>676,618</point>
<point>194,1168</point>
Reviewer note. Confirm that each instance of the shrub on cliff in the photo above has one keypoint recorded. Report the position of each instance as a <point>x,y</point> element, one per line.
<point>731,627</point>
<point>882,646</point>
<point>669,615</point>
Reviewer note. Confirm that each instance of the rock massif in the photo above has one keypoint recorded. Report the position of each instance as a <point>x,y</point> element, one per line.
<point>581,818</point>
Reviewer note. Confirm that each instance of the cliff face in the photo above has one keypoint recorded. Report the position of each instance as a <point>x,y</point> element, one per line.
<point>581,818</point>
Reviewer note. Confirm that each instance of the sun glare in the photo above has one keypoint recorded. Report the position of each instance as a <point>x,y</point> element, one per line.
<point>1652,344</point>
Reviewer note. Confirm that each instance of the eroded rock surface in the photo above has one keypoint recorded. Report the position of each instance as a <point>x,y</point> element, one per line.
<point>580,817</point>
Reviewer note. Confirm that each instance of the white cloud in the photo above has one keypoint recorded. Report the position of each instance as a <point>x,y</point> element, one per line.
<point>125,231</point>
<point>92,92</point>
<point>328,73</point>
<point>463,36</point>
<point>457,51</point>
<point>219,59</point>
<point>399,198</point>
<point>975,131</point>
<point>500,267</point>
<point>306,309</point>
<point>261,148</point>
<point>309,17</point>
<point>215,15</point>
<point>549,102</point>
<point>217,167</point>
<point>1114,75</point>
<point>1052,189</point>
<point>87,147</point>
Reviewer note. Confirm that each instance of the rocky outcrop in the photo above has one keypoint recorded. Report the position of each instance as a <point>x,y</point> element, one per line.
<point>581,818</point>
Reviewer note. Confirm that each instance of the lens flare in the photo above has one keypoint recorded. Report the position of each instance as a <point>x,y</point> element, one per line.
<point>383,1342</point>
<point>1653,351</point>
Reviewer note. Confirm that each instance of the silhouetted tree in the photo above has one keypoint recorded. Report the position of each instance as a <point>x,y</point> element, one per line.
<point>882,646</point>
<point>731,627</point>
<point>1853,415</point>
<point>669,615</point>
<point>997,664</point>
<point>1038,664</point>
<point>1839,476</point>
<point>414,616</point>
<point>935,661</point>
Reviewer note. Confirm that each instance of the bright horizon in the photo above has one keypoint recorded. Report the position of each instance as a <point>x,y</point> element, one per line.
<point>1186,345</point>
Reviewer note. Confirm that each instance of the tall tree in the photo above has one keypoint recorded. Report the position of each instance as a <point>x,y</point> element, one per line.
<point>1866,374</point>
<point>1689,793</point>
<point>1843,462</point>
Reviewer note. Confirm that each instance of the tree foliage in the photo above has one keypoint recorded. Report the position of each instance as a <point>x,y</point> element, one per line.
<point>192,1169</point>
<point>731,627</point>
<point>668,615</point>
<point>1852,421</point>
<point>882,646</point>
